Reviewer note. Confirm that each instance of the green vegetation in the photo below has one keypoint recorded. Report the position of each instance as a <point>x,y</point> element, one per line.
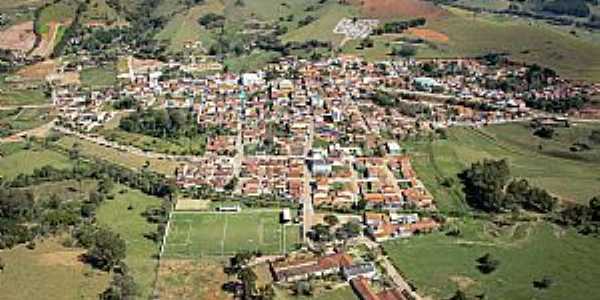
<point>438,162</point>
<point>59,12</point>
<point>123,215</point>
<point>537,42</point>
<point>26,161</point>
<point>99,77</point>
<point>50,271</point>
<point>126,159</point>
<point>192,235</point>
<point>526,252</point>
<point>13,95</point>
<point>19,119</point>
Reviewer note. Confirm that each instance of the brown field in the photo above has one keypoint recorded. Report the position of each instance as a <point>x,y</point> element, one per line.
<point>139,65</point>
<point>38,71</point>
<point>428,34</point>
<point>387,9</point>
<point>192,279</point>
<point>192,204</point>
<point>18,37</point>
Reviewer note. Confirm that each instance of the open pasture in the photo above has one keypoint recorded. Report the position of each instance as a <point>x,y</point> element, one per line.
<point>573,176</point>
<point>438,264</point>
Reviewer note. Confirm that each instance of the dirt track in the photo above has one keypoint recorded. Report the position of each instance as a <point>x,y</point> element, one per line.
<point>46,46</point>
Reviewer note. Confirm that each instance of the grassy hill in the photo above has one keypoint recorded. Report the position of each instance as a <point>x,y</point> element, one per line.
<point>574,176</point>
<point>526,251</point>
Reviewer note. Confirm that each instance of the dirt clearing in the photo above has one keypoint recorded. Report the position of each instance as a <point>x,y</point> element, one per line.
<point>192,279</point>
<point>428,35</point>
<point>388,9</point>
<point>38,71</point>
<point>18,37</point>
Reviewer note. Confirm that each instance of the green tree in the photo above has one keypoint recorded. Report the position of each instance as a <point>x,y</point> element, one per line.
<point>332,220</point>
<point>107,249</point>
<point>484,183</point>
<point>487,264</point>
<point>248,279</point>
<point>122,287</point>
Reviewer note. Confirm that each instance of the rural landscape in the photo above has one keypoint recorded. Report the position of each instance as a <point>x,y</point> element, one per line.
<point>299,149</point>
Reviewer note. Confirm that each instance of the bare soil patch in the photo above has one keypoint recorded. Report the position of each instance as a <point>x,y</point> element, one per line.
<point>61,258</point>
<point>192,204</point>
<point>18,37</point>
<point>46,46</point>
<point>386,9</point>
<point>428,35</point>
<point>141,65</point>
<point>463,282</point>
<point>192,279</point>
<point>38,71</point>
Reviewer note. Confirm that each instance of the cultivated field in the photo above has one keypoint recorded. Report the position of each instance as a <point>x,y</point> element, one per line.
<point>572,176</point>
<point>15,94</point>
<point>193,235</point>
<point>438,264</point>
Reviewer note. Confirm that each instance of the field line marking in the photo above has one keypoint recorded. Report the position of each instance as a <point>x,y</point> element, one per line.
<point>224,236</point>
<point>188,239</point>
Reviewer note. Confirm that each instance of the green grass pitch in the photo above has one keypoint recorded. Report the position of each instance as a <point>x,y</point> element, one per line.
<point>194,235</point>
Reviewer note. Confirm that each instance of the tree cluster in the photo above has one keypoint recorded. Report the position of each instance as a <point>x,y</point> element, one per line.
<point>161,123</point>
<point>487,187</point>
<point>585,218</point>
<point>577,8</point>
<point>212,20</point>
<point>399,26</point>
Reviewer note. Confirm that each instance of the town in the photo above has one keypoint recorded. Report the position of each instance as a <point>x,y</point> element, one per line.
<point>299,149</point>
<point>320,136</point>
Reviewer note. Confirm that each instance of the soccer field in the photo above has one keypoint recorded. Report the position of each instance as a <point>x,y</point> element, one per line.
<point>196,234</point>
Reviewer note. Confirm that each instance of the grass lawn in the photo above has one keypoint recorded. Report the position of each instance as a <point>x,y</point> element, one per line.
<point>438,264</point>
<point>530,41</point>
<point>131,225</point>
<point>50,271</point>
<point>99,77</point>
<point>193,235</point>
<point>122,158</point>
<point>26,161</point>
<point>572,176</point>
